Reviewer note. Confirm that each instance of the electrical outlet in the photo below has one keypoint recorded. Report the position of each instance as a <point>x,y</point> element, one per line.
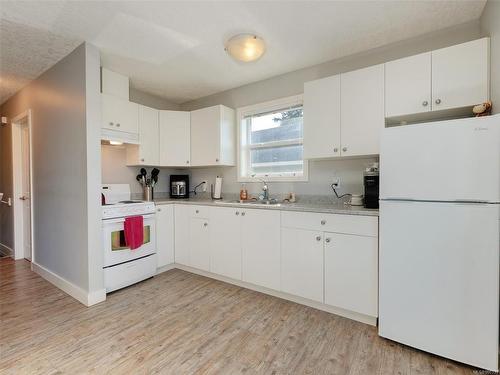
<point>336,182</point>
<point>204,187</point>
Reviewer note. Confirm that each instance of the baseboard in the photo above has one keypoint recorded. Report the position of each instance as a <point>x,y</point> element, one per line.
<point>6,251</point>
<point>289,297</point>
<point>168,267</point>
<point>82,296</point>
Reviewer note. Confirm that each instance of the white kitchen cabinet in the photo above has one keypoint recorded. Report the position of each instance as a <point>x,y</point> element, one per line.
<point>147,152</point>
<point>260,241</point>
<point>165,234</point>
<point>322,118</point>
<point>199,254</point>
<point>408,85</point>
<point>302,263</point>
<point>225,241</point>
<point>175,139</point>
<point>114,84</point>
<point>460,75</point>
<point>119,114</point>
<point>213,136</point>
<point>351,272</point>
<point>181,237</point>
<point>361,127</point>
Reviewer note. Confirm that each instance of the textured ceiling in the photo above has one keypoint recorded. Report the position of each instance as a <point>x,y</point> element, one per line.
<point>174,49</point>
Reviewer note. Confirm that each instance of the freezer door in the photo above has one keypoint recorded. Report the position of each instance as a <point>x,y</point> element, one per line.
<point>439,279</point>
<point>457,160</point>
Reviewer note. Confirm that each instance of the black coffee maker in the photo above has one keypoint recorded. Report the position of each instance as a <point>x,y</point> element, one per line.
<point>371,184</point>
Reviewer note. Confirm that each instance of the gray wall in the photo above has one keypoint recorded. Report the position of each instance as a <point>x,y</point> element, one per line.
<point>150,100</point>
<point>65,151</point>
<point>490,26</point>
<point>322,173</point>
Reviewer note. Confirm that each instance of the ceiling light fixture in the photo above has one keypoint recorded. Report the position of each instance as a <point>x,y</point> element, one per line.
<point>245,47</point>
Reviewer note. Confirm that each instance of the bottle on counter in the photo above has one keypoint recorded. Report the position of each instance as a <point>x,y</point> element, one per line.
<point>243,193</point>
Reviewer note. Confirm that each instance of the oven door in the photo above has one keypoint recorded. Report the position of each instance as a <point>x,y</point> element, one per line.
<point>115,249</point>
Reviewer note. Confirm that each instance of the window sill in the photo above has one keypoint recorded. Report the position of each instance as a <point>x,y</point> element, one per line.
<point>273,179</point>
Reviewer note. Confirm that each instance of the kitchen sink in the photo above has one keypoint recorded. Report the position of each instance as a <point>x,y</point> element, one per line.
<point>273,203</point>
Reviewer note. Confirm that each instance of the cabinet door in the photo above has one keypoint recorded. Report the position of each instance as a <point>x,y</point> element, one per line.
<point>322,118</point>
<point>149,148</point>
<point>408,85</point>
<point>199,254</point>
<point>460,75</point>
<point>302,263</point>
<point>181,238</point>
<point>175,138</point>
<point>119,114</point>
<point>205,136</point>
<point>362,111</point>
<point>225,242</point>
<point>261,252</point>
<point>165,234</point>
<point>351,272</point>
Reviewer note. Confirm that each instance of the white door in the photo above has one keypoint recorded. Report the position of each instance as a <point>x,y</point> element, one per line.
<point>165,234</point>
<point>205,136</point>
<point>175,139</point>
<point>302,263</point>
<point>442,161</point>
<point>439,275</point>
<point>225,241</point>
<point>181,230</point>
<point>460,75</point>
<point>149,132</point>
<point>408,85</point>
<point>322,118</point>
<point>199,251</point>
<point>351,272</point>
<point>26,190</point>
<point>261,252</point>
<point>361,127</point>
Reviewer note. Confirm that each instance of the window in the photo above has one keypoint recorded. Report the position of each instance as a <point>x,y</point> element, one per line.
<point>271,141</point>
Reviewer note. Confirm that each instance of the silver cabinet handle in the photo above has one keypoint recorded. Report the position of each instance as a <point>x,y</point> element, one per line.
<point>217,160</point>
<point>187,161</point>
<point>438,101</point>
<point>205,225</point>
<point>142,159</point>
<point>111,124</point>
<point>425,103</point>
<point>344,149</point>
<point>159,210</point>
<point>118,124</point>
<point>318,238</point>
<point>335,149</point>
<point>323,222</point>
<point>197,211</point>
<point>242,214</point>
<point>237,213</point>
<point>327,240</point>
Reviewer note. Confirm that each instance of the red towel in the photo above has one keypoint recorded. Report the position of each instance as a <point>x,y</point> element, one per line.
<point>134,232</point>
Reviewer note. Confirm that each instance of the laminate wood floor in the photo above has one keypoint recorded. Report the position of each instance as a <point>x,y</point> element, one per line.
<point>181,323</point>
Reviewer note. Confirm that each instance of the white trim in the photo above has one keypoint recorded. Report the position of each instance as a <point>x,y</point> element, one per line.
<point>6,251</point>
<point>17,185</point>
<point>166,268</point>
<point>269,106</point>
<point>88,299</point>
<point>303,301</point>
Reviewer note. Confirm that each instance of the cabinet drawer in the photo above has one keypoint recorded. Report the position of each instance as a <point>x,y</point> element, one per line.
<point>337,223</point>
<point>199,211</point>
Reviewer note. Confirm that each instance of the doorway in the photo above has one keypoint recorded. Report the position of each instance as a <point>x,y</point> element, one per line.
<point>22,181</point>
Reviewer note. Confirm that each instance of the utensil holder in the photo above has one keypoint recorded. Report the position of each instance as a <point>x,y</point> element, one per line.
<point>147,193</point>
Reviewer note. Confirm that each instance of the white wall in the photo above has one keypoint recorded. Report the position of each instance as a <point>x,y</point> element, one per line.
<point>65,141</point>
<point>150,100</point>
<point>490,26</point>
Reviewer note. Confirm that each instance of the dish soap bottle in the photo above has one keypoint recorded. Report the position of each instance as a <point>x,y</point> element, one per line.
<point>243,193</point>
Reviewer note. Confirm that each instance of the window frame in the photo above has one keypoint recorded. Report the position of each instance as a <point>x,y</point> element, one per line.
<point>258,108</point>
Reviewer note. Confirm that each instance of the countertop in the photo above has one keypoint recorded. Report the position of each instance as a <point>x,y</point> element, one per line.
<point>323,207</point>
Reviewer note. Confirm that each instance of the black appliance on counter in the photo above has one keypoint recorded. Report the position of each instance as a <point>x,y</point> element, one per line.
<point>179,186</point>
<point>371,184</point>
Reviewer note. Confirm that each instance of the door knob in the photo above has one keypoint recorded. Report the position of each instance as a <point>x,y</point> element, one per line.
<point>344,149</point>
<point>438,101</point>
<point>425,103</point>
<point>318,238</point>
<point>327,240</point>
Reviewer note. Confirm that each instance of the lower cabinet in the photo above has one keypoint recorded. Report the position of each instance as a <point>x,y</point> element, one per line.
<point>182,238</point>
<point>302,263</point>
<point>165,234</point>
<point>351,272</point>
<point>199,256</point>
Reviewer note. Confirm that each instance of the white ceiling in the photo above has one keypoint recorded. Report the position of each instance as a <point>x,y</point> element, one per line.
<point>174,49</point>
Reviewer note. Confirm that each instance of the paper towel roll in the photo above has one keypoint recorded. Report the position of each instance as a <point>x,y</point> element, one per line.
<point>218,188</point>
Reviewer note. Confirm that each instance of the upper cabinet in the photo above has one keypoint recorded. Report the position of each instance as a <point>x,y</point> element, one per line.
<point>175,139</point>
<point>362,111</point>
<point>119,114</point>
<point>147,152</point>
<point>213,136</point>
<point>408,85</point>
<point>451,78</point>
<point>322,118</point>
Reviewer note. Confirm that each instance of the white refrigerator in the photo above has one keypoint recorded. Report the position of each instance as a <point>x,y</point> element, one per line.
<point>440,238</point>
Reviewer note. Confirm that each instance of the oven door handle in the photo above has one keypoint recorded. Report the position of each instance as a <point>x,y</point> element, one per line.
<point>122,219</point>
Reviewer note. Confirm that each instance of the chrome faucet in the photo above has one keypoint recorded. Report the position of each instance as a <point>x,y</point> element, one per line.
<point>265,188</point>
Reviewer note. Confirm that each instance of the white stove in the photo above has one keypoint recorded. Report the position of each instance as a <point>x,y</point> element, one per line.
<point>122,265</point>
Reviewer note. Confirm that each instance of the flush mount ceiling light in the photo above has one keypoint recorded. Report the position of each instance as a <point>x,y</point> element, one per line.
<point>245,47</point>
